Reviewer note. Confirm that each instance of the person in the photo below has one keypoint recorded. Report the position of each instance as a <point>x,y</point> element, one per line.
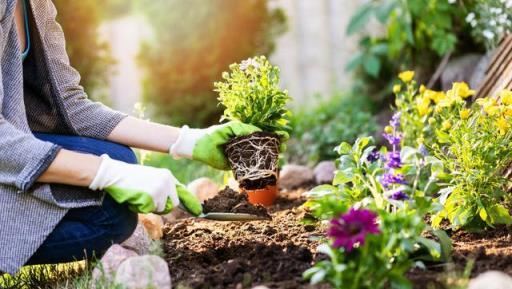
<point>70,185</point>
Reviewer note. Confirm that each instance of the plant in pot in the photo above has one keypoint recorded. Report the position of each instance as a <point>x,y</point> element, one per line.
<point>251,94</point>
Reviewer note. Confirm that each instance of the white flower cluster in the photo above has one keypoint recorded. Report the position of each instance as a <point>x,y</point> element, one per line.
<point>490,20</point>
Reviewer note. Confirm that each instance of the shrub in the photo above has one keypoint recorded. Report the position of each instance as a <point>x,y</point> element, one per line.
<point>418,33</point>
<point>316,131</point>
<point>251,94</point>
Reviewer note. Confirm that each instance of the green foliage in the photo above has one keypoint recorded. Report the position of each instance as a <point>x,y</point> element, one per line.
<point>251,94</point>
<point>472,146</point>
<point>417,34</point>
<point>384,258</point>
<point>382,261</point>
<point>476,152</point>
<point>80,21</point>
<point>316,131</point>
<point>194,41</point>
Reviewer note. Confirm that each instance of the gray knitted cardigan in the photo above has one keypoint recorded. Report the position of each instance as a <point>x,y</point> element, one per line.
<point>40,94</point>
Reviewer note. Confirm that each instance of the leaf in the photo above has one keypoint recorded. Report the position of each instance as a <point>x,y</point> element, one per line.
<point>433,247</point>
<point>446,244</point>
<point>444,194</point>
<point>318,277</point>
<point>408,153</point>
<point>343,176</point>
<point>499,215</point>
<point>384,11</point>
<point>483,214</point>
<point>355,62</point>
<point>344,148</point>
<point>327,250</point>
<point>360,18</point>
<point>372,65</point>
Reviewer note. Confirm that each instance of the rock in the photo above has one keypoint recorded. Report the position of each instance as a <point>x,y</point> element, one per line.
<point>142,272</point>
<point>459,69</point>
<point>491,280</point>
<point>139,241</point>
<point>295,176</point>
<point>110,262</point>
<point>203,188</point>
<point>324,172</point>
<point>153,224</point>
<point>478,76</point>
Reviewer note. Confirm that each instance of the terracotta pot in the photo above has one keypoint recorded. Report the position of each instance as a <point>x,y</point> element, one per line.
<point>265,196</point>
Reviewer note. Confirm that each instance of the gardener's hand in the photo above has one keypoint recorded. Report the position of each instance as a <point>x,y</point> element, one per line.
<point>206,145</point>
<point>144,189</point>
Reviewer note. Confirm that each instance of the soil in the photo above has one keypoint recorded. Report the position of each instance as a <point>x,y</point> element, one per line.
<point>254,159</point>
<point>274,253</point>
<point>235,255</point>
<point>230,201</point>
<point>490,250</point>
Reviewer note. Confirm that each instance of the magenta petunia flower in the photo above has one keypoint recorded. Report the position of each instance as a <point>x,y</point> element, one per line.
<point>352,228</point>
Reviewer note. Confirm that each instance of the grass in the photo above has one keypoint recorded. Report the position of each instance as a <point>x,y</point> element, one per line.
<point>77,275</point>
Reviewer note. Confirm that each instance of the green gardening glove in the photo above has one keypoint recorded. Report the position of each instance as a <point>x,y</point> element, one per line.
<point>206,145</point>
<point>189,201</point>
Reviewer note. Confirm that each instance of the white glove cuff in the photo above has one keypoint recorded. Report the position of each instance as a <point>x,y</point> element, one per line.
<point>187,139</point>
<point>100,182</point>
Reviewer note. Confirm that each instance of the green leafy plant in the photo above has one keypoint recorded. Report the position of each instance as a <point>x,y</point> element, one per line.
<point>418,33</point>
<point>317,130</point>
<point>391,188</point>
<point>380,259</point>
<point>251,94</point>
<point>475,147</point>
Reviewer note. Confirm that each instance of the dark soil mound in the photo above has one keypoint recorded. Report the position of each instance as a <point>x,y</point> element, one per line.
<point>230,201</point>
<point>210,254</point>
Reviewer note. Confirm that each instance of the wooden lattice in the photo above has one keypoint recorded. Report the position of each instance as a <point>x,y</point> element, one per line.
<point>498,75</point>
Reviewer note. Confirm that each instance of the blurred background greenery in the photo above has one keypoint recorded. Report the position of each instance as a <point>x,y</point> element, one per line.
<point>338,58</point>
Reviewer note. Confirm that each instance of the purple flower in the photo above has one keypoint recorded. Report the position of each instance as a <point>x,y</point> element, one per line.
<point>395,120</point>
<point>399,196</point>
<point>393,160</point>
<point>373,156</point>
<point>393,140</point>
<point>389,179</point>
<point>352,228</point>
<point>423,150</point>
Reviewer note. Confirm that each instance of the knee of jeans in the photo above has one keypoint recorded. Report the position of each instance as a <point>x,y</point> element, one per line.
<point>124,224</point>
<point>124,154</point>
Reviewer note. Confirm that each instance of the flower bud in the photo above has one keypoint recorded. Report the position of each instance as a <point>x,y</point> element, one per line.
<point>388,129</point>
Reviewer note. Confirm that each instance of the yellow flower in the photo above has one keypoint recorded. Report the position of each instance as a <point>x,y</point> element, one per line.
<point>492,110</point>
<point>462,89</point>
<point>388,129</point>
<point>502,125</point>
<point>422,88</point>
<point>506,97</point>
<point>464,114</point>
<point>447,125</point>
<point>435,96</point>
<point>508,111</point>
<point>449,99</point>
<point>423,105</point>
<point>406,76</point>
<point>397,88</point>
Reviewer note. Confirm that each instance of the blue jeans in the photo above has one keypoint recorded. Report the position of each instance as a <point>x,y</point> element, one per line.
<point>86,233</point>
